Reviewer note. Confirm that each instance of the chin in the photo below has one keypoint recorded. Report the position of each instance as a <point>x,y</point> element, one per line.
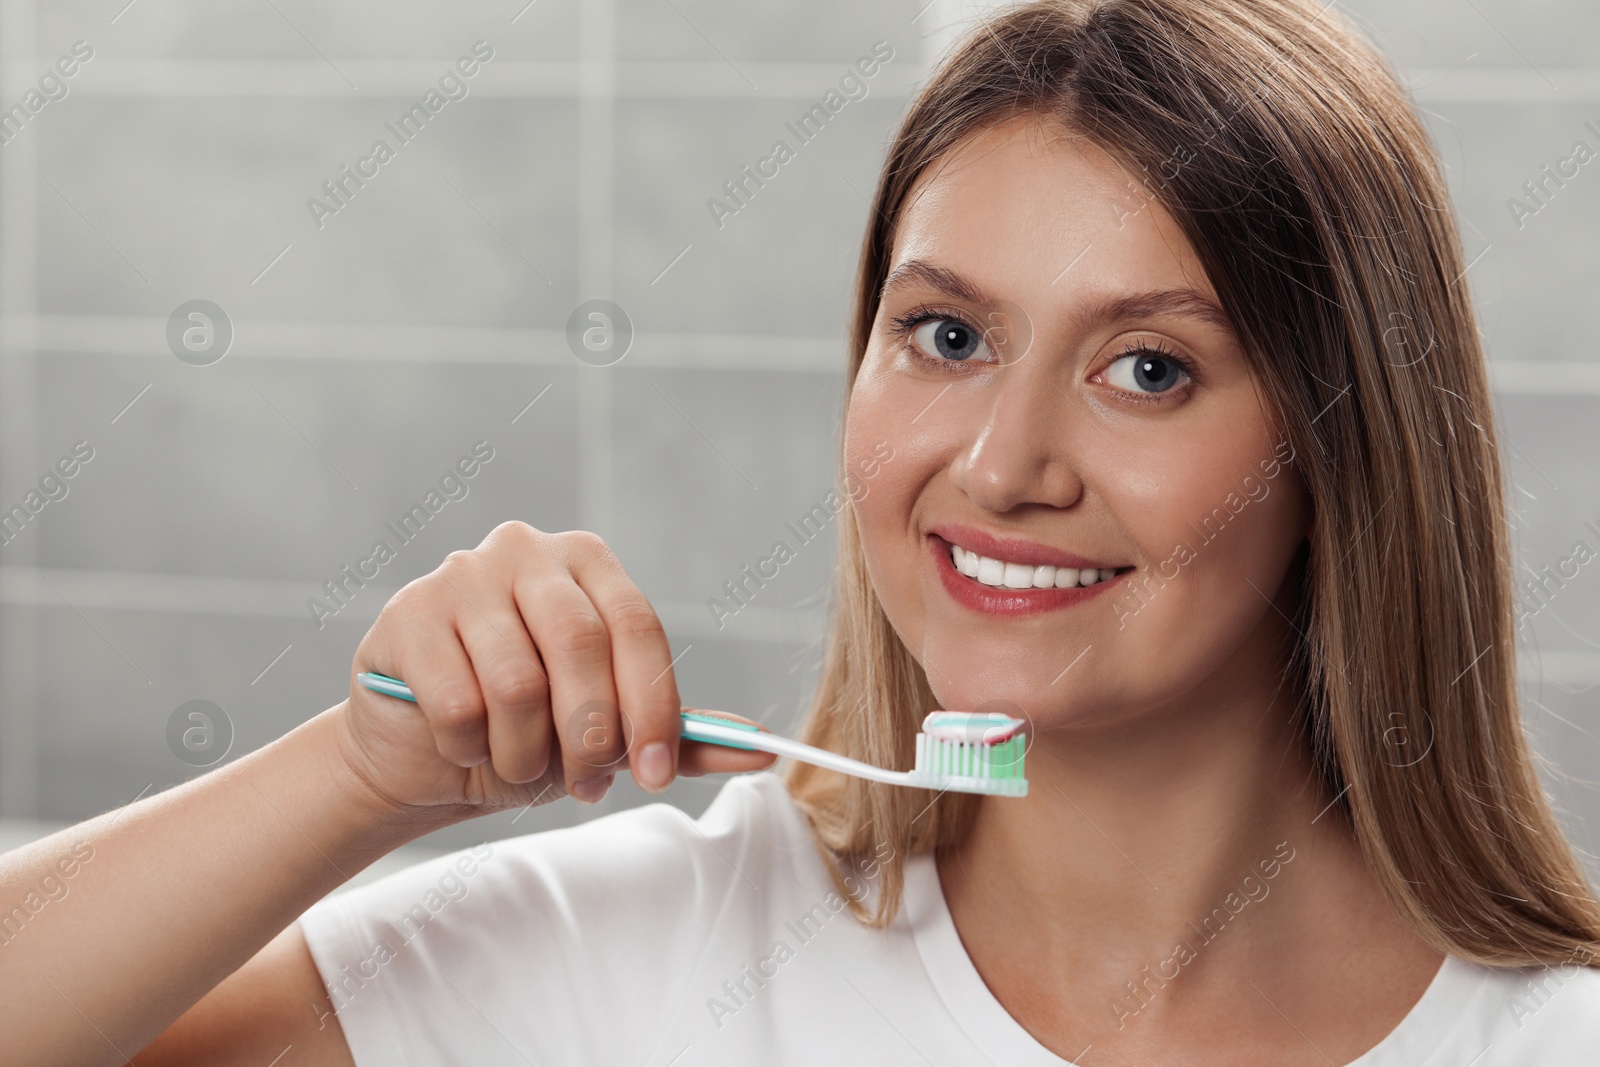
<point>959,684</point>
<point>1043,684</point>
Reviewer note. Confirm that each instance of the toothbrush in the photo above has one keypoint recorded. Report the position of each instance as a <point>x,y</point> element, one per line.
<point>957,751</point>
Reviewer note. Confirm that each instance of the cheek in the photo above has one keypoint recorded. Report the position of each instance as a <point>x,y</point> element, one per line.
<point>1197,482</point>
<point>869,424</point>
<point>880,418</point>
<point>1215,537</point>
<point>1218,537</point>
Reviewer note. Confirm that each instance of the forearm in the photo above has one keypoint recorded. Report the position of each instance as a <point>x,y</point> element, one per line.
<point>168,896</point>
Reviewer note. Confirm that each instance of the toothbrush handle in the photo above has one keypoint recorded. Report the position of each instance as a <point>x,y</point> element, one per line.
<point>711,730</point>
<point>736,735</point>
<point>382,683</point>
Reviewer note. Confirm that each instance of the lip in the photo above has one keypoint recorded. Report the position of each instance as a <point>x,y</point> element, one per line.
<point>998,600</point>
<point>1012,549</point>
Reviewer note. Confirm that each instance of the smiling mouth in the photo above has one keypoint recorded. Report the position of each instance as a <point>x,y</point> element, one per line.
<point>1002,574</point>
<point>1066,571</point>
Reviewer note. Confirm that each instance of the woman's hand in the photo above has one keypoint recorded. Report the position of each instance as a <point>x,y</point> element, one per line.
<point>539,669</point>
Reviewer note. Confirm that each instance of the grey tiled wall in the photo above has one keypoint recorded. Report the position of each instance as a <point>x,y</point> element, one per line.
<point>426,314</point>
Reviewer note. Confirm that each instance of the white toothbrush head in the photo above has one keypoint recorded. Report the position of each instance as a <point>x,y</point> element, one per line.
<point>971,752</point>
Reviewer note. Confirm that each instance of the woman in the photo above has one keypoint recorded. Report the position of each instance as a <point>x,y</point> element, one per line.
<point>1168,431</point>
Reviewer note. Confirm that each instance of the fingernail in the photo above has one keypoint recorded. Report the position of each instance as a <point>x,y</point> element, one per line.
<point>591,790</point>
<point>655,765</point>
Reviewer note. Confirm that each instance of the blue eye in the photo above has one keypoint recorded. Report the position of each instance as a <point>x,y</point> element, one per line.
<point>948,339</point>
<point>1146,370</point>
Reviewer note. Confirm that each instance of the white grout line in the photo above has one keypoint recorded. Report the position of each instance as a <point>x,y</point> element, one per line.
<point>1503,85</point>
<point>279,598</point>
<point>19,404</point>
<point>388,342</point>
<point>307,79</point>
<point>1537,377</point>
<point>593,196</point>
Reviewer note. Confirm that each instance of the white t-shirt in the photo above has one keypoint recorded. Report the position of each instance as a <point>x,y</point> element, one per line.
<point>650,939</point>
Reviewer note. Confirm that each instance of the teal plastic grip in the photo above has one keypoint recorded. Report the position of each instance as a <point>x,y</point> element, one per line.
<point>382,683</point>
<point>715,721</point>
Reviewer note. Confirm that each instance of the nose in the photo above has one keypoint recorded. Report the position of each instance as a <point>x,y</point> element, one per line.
<point>1020,448</point>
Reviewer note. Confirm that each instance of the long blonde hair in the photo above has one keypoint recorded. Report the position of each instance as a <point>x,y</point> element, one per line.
<point>1312,194</point>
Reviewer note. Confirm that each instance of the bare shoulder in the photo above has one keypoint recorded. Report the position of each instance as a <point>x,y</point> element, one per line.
<point>273,1003</point>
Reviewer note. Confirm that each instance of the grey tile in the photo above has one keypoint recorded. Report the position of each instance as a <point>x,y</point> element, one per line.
<point>1549,453</point>
<point>1448,34</point>
<point>1522,286</point>
<point>470,223</point>
<point>1564,728</point>
<point>103,725</point>
<point>783,264</point>
<point>300,30</point>
<point>779,30</point>
<point>713,469</point>
<point>240,468</point>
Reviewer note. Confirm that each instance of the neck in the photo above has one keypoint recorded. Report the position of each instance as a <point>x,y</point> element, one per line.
<point>1163,831</point>
<point>1161,818</point>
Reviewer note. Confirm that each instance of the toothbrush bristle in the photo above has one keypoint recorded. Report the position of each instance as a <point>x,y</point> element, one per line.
<point>989,727</point>
<point>972,753</point>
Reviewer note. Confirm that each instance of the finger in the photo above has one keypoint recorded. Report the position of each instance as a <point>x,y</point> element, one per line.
<point>697,757</point>
<point>429,652</point>
<point>576,651</point>
<point>512,679</point>
<point>641,664</point>
<point>702,757</point>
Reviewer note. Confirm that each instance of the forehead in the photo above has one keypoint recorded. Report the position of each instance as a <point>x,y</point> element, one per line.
<point>1037,212</point>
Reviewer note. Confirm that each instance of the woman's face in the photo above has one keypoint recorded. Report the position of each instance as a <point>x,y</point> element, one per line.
<point>1062,393</point>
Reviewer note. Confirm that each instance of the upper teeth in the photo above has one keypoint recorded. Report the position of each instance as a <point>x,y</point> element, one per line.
<point>998,572</point>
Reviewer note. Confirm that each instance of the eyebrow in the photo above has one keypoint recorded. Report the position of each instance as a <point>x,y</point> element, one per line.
<point>1184,301</point>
